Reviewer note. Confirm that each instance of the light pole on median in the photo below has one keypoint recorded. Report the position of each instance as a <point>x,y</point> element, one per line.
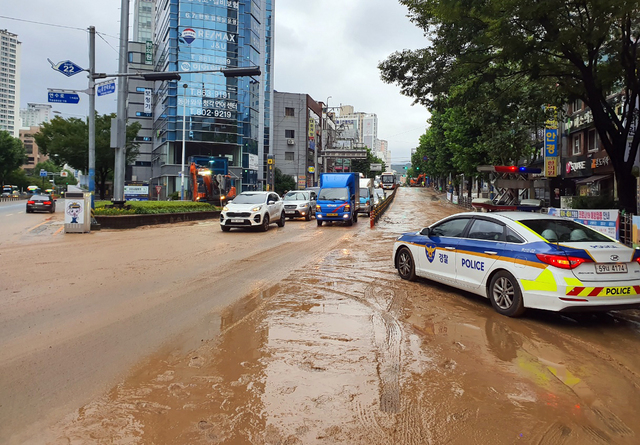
<point>184,120</point>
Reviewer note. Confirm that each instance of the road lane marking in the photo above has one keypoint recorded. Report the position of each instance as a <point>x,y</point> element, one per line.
<point>36,226</point>
<point>58,231</point>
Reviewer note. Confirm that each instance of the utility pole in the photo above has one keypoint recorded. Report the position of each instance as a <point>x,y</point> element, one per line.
<point>92,114</point>
<point>120,155</point>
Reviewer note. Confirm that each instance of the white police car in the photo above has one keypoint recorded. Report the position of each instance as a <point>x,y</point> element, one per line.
<point>524,260</point>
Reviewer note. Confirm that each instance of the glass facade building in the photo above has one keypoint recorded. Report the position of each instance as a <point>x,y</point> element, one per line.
<point>222,116</point>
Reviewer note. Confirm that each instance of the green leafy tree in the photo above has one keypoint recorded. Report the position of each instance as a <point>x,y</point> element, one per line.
<point>12,155</point>
<point>283,182</point>
<point>364,165</point>
<point>19,178</point>
<point>68,139</point>
<point>566,50</point>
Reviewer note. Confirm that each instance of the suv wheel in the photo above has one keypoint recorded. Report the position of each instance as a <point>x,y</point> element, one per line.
<point>282,220</point>
<point>265,223</point>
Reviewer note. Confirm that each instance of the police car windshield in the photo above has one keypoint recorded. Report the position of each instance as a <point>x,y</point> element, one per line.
<point>338,194</point>
<point>558,230</point>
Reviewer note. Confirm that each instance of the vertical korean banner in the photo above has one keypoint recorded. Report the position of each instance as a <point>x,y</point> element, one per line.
<point>147,100</point>
<point>551,154</point>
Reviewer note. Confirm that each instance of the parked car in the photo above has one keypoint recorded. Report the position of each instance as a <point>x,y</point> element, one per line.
<point>300,204</point>
<point>253,209</point>
<point>41,203</point>
<point>378,196</point>
<point>524,260</point>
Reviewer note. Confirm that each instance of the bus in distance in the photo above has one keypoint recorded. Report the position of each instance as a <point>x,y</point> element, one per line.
<point>388,180</point>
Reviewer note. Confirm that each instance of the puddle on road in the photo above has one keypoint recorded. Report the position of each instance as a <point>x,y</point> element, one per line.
<point>346,352</point>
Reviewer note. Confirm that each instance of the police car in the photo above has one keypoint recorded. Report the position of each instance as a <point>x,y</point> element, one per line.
<point>523,260</point>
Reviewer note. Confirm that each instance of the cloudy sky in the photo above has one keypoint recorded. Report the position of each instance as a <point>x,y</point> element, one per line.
<point>327,49</point>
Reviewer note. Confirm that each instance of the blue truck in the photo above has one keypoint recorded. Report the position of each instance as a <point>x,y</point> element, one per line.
<point>338,198</point>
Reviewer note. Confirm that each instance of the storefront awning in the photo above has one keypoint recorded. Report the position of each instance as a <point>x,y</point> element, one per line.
<point>594,178</point>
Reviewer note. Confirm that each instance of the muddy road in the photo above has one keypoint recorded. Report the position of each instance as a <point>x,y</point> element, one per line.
<point>332,347</point>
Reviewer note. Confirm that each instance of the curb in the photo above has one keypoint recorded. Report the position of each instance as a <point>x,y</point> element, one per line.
<point>133,221</point>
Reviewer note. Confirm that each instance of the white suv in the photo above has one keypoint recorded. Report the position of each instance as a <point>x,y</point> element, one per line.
<point>253,209</point>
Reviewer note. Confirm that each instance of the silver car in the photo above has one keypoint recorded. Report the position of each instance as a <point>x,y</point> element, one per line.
<point>300,204</point>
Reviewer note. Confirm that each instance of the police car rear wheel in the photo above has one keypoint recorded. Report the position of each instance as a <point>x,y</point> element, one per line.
<point>405,265</point>
<point>505,295</point>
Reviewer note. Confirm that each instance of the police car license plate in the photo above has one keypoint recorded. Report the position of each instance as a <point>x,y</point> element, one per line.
<point>332,214</point>
<point>611,268</point>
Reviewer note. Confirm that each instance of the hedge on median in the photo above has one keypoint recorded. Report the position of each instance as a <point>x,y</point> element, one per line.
<point>152,207</point>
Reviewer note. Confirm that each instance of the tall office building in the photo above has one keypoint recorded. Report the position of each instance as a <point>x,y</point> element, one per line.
<point>143,20</point>
<point>9,82</point>
<point>34,115</point>
<point>227,117</point>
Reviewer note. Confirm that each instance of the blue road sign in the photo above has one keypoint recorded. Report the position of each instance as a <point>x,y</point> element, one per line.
<point>106,88</point>
<point>43,173</point>
<point>64,98</point>
<point>66,67</point>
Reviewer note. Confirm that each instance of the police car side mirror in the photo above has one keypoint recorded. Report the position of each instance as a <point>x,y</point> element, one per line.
<point>426,231</point>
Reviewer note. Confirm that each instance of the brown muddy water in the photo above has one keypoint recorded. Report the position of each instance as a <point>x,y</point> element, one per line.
<point>343,351</point>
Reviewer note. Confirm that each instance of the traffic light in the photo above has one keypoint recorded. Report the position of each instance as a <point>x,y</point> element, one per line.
<point>161,76</point>
<point>417,168</point>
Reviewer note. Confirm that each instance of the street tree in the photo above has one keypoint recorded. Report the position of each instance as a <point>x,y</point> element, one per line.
<point>283,182</point>
<point>577,50</point>
<point>12,155</point>
<point>68,140</point>
<point>364,165</point>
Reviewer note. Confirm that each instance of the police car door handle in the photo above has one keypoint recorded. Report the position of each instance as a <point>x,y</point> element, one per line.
<point>490,252</point>
<point>450,248</point>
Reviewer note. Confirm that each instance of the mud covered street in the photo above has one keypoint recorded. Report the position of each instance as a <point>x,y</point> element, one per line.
<point>337,349</point>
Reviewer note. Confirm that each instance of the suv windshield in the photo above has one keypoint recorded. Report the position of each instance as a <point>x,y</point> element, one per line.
<point>249,198</point>
<point>559,230</point>
<point>339,194</point>
<point>296,196</point>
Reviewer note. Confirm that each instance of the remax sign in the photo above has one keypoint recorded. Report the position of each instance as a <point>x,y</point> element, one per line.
<point>189,35</point>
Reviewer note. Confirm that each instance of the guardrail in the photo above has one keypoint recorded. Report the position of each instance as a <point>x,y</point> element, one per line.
<point>11,198</point>
<point>379,209</point>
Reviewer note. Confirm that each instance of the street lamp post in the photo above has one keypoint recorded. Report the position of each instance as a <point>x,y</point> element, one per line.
<point>184,120</point>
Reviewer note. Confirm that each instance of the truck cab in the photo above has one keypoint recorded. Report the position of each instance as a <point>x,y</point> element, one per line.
<point>366,196</point>
<point>338,198</point>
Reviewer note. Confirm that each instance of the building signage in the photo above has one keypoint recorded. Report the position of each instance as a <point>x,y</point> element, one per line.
<point>148,53</point>
<point>600,162</point>
<point>551,167</point>
<point>312,128</point>
<point>572,167</point>
<point>604,221</point>
<point>253,162</point>
<point>551,144</point>
<point>209,18</point>
<point>147,100</point>
<point>138,191</point>
<point>188,35</point>
<point>225,3</point>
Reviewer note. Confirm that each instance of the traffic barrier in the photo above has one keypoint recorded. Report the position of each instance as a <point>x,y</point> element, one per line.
<point>380,208</point>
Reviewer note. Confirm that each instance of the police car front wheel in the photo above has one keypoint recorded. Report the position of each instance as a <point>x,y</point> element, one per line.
<point>505,294</point>
<point>405,265</point>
